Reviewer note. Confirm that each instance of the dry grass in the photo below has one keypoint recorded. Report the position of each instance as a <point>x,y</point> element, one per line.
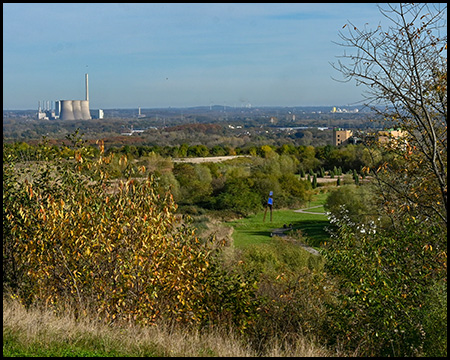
<point>42,326</point>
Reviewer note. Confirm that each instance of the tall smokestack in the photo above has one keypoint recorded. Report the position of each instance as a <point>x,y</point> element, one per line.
<point>87,88</point>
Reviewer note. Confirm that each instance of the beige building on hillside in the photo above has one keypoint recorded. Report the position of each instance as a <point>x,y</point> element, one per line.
<point>341,136</point>
<point>384,136</point>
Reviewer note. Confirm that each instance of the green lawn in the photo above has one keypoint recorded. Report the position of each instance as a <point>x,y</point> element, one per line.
<point>318,199</point>
<point>253,230</point>
<point>319,210</point>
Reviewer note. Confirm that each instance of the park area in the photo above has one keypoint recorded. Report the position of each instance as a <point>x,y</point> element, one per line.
<point>310,221</point>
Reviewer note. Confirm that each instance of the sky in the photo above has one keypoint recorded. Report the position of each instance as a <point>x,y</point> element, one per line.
<point>160,55</point>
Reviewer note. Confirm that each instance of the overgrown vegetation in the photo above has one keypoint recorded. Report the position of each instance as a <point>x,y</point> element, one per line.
<point>76,237</point>
<point>39,332</point>
<point>392,269</point>
<point>101,234</point>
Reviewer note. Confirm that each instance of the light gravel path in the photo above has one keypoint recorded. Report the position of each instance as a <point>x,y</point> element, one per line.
<point>305,211</point>
<point>197,160</point>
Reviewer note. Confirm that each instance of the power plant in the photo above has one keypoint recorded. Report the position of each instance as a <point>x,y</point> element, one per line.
<point>74,109</point>
<point>69,109</point>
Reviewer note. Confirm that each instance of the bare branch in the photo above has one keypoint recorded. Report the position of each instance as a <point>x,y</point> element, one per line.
<point>404,68</point>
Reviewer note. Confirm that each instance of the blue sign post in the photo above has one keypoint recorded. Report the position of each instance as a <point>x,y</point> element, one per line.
<point>269,205</point>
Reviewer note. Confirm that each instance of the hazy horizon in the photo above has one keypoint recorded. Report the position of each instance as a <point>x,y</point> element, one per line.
<point>178,55</point>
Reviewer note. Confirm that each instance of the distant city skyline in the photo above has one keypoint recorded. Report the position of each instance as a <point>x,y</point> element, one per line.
<point>151,55</point>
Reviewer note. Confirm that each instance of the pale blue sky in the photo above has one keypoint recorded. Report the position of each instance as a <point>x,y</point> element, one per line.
<point>178,55</point>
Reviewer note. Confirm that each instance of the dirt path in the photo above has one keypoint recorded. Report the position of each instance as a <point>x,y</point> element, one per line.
<point>197,160</point>
<point>305,211</point>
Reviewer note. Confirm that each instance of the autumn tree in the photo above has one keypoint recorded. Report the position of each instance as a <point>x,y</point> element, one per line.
<point>404,71</point>
<point>195,182</point>
<point>116,248</point>
<point>390,276</point>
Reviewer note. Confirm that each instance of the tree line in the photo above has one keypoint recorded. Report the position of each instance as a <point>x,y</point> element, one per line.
<point>238,186</point>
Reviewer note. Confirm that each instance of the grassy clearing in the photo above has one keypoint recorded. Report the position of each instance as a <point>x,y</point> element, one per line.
<point>318,199</point>
<point>254,230</point>
<point>39,332</point>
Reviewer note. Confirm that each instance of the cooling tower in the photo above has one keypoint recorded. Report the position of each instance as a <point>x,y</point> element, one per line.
<point>85,113</point>
<point>74,110</point>
<point>66,110</point>
<point>77,109</point>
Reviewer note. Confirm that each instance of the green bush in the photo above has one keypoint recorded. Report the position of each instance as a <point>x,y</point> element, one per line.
<point>388,303</point>
<point>435,321</point>
<point>238,196</point>
<point>359,202</point>
<point>292,291</point>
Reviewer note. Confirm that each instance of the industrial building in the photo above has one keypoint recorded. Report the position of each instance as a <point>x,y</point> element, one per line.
<point>97,114</point>
<point>70,109</point>
<point>75,109</point>
<point>45,112</point>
